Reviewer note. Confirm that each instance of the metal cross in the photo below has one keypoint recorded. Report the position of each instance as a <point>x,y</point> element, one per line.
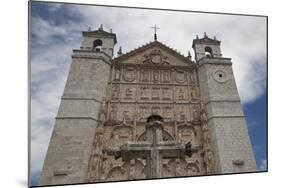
<point>155,31</point>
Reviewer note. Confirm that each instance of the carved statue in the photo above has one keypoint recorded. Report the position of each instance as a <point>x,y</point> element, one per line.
<point>103,110</point>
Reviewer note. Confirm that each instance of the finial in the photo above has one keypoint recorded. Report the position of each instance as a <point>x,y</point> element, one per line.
<point>189,55</point>
<point>205,35</point>
<point>215,38</point>
<point>197,37</point>
<point>155,30</point>
<point>120,51</point>
<point>89,28</point>
<point>101,27</point>
<point>110,30</point>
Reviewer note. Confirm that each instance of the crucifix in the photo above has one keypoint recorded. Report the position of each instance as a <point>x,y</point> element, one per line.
<point>155,31</point>
<point>153,149</point>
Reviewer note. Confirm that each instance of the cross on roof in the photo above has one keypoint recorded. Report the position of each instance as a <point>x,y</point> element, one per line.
<point>155,31</point>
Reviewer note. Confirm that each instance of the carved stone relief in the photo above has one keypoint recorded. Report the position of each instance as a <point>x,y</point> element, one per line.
<point>117,173</point>
<point>113,112</point>
<point>126,112</point>
<point>186,133</point>
<point>156,76</point>
<point>145,75</point>
<point>143,113</point>
<point>166,77</point>
<point>194,93</point>
<point>169,168</point>
<point>167,113</point>
<point>129,74</point>
<point>166,94</point>
<point>155,93</point>
<point>195,113</point>
<point>121,134</point>
<point>115,92</point>
<point>181,93</point>
<point>192,79</point>
<point>117,74</point>
<point>144,93</point>
<point>156,110</point>
<point>155,57</point>
<point>181,113</point>
<point>129,92</point>
<point>192,169</point>
<point>180,76</point>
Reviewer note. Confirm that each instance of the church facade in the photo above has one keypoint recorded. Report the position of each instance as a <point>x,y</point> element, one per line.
<point>149,113</point>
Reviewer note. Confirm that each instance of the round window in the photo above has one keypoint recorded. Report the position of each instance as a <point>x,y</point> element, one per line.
<point>220,76</point>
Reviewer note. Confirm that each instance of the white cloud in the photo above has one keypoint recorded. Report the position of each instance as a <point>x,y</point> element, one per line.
<point>243,39</point>
<point>263,165</point>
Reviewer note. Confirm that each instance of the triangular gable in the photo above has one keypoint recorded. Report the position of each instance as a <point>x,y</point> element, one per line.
<point>155,53</point>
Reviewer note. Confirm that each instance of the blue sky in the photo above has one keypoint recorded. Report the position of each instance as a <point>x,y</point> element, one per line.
<point>56,30</point>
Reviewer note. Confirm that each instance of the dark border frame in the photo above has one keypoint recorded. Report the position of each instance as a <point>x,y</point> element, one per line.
<point>145,8</point>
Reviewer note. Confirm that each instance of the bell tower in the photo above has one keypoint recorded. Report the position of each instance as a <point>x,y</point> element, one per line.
<point>70,145</point>
<point>226,121</point>
<point>99,41</point>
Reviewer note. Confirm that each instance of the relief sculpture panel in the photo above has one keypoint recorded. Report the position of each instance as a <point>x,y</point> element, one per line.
<point>129,74</point>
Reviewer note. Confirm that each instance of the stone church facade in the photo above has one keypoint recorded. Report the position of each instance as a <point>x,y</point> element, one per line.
<point>105,131</point>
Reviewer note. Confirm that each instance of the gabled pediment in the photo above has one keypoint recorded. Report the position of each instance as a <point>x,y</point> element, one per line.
<point>155,53</point>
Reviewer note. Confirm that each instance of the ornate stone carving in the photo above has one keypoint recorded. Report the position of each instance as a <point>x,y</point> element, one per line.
<point>145,75</point>
<point>155,93</point>
<point>191,77</point>
<point>166,77</point>
<point>115,92</point>
<point>194,94</point>
<point>166,94</point>
<point>143,113</point>
<point>207,151</point>
<point>155,57</point>
<point>103,110</point>
<point>180,76</point>
<point>156,110</point>
<point>156,76</point>
<point>195,113</point>
<point>181,93</point>
<point>117,173</point>
<point>129,74</point>
<point>129,92</point>
<point>167,113</point>
<point>144,92</point>
<point>117,74</point>
<point>113,112</point>
<point>181,113</point>
<point>121,134</point>
<point>192,169</point>
<point>186,133</point>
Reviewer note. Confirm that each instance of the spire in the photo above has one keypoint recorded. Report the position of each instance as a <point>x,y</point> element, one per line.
<point>197,37</point>
<point>89,28</point>
<point>120,51</point>
<point>205,35</point>
<point>189,55</point>
<point>101,27</point>
<point>215,38</point>
<point>155,30</point>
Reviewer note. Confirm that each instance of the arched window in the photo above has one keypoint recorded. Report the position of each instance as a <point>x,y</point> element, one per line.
<point>208,52</point>
<point>97,45</point>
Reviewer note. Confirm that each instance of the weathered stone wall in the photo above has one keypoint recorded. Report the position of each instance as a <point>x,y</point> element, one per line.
<point>71,142</point>
<point>226,121</point>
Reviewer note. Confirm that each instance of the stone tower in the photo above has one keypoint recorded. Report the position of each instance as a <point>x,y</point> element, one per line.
<point>70,145</point>
<point>226,121</point>
<point>148,113</point>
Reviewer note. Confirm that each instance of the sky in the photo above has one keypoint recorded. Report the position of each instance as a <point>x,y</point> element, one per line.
<point>55,30</point>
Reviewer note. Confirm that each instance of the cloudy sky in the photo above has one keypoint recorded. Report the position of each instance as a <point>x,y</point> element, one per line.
<point>56,30</point>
